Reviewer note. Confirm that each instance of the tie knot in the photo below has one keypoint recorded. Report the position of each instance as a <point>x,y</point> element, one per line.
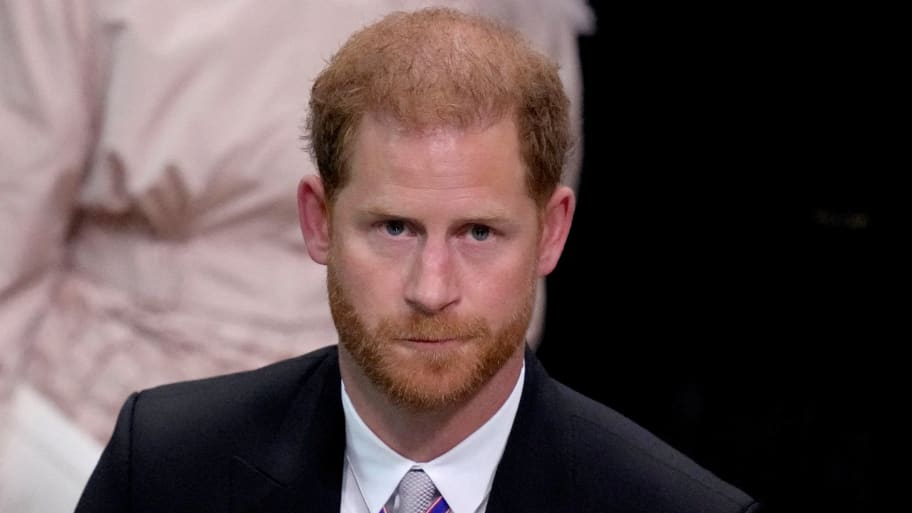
<point>416,492</point>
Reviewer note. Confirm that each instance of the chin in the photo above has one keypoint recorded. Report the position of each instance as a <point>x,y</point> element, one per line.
<point>429,380</point>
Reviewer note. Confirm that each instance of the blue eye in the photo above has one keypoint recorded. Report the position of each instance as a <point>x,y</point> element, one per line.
<point>395,227</point>
<point>480,232</point>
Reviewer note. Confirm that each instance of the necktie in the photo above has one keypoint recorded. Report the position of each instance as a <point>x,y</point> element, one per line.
<point>417,494</point>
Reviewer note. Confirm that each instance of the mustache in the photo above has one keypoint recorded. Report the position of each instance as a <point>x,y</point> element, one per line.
<point>433,328</point>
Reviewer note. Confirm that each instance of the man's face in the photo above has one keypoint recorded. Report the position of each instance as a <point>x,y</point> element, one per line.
<point>433,258</point>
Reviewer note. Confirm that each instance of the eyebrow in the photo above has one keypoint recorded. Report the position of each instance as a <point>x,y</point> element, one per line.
<point>495,218</point>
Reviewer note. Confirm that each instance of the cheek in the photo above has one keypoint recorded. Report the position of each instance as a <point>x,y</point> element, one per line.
<point>371,284</point>
<point>500,289</point>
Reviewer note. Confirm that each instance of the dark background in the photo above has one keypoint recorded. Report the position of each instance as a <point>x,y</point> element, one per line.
<point>731,278</point>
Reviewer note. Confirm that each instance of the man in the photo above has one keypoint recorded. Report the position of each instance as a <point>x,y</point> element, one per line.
<point>439,139</point>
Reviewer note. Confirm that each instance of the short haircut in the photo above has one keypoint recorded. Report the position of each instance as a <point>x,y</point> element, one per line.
<point>439,67</point>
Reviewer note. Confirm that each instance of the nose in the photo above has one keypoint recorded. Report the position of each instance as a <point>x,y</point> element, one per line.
<point>432,282</point>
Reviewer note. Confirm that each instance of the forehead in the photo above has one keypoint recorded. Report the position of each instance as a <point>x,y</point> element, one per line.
<point>447,162</point>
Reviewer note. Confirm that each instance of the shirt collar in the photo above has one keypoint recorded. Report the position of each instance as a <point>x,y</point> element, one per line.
<point>463,475</point>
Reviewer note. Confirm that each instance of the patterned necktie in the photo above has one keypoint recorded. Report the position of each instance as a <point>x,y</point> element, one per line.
<point>417,494</point>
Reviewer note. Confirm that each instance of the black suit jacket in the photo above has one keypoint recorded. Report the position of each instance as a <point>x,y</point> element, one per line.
<point>272,441</point>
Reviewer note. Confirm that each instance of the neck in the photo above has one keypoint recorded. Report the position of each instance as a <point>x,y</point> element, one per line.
<point>426,434</point>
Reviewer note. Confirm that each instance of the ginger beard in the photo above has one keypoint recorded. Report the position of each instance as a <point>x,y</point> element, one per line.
<point>427,380</point>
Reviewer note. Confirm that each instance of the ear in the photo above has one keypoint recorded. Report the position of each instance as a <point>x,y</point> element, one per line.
<point>314,215</point>
<point>555,228</point>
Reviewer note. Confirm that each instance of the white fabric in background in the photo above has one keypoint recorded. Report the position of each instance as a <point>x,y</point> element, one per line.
<point>47,459</point>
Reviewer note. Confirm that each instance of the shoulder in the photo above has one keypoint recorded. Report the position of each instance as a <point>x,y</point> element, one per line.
<point>181,446</point>
<point>618,452</point>
<point>286,372</point>
<point>231,403</point>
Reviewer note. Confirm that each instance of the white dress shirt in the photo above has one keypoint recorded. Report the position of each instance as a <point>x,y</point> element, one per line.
<point>463,475</point>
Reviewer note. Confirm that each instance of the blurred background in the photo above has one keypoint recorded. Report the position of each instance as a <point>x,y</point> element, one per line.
<point>731,281</point>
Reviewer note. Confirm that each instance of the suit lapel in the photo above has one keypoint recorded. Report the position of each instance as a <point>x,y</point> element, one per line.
<point>299,467</point>
<point>526,478</point>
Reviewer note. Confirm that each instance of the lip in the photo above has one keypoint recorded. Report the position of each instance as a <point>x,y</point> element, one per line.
<point>425,342</point>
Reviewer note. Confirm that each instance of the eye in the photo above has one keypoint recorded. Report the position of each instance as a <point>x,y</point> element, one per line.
<point>480,232</point>
<point>394,228</point>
